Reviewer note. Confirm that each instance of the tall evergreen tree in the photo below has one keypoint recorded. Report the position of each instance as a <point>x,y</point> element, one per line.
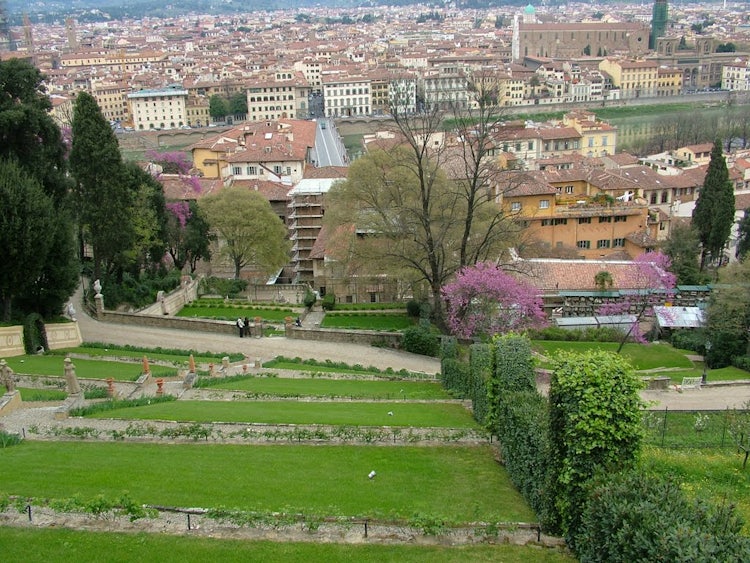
<point>25,214</point>
<point>33,143</point>
<point>743,243</point>
<point>103,198</point>
<point>683,249</point>
<point>713,215</point>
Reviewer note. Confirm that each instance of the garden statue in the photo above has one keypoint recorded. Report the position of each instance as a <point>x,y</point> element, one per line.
<point>70,377</point>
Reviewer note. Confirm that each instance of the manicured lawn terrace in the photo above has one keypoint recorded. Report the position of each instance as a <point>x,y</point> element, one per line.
<point>368,321</point>
<point>152,355</point>
<point>39,545</point>
<point>688,429</point>
<point>316,387</point>
<point>641,356</point>
<point>231,313</point>
<point>299,365</point>
<point>85,369</point>
<point>457,483</point>
<point>438,415</point>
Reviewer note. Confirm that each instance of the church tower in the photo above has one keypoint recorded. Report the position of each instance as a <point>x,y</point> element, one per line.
<point>658,23</point>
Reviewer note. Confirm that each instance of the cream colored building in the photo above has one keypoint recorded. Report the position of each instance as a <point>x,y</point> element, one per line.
<point>635,79</point>
<point>112,98</point>
<point>159,109</point>
<point>346,95</point>
<point>281,95</point>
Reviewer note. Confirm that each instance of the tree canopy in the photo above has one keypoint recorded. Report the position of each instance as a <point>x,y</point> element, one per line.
<point>485,301</point>
<point>249,232</point>
<point>32,152</point>
<point>728,319</point>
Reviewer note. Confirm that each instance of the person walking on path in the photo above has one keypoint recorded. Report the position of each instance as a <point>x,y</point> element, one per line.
<point>241,326</point>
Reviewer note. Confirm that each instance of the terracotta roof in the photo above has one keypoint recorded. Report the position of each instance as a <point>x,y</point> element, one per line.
<point>272,191</point>
<point>188,188</point>
<point>550,274</point>
<point>524,184</point>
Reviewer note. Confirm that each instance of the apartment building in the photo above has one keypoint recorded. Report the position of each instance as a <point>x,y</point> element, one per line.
<point>736,76</point>
<point>634,78</point>
<point>669,81</point>
<point>346,95</point>
<point>446,88</point>
<point>112,98</point>
<point>282,94</point>
<point>163,108</point>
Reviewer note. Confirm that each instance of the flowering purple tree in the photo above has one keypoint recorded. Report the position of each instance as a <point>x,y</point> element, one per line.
<point>484,301</point>
<point>652,283</point>
<point>172,162</point>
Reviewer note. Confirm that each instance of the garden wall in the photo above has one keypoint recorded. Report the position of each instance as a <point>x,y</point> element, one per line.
<point>387,339</point>
<point>63,335</point>
<point>11,341</point>
<point>171,303</point>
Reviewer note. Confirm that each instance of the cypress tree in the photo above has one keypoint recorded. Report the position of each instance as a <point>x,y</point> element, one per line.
<point>713,215</point>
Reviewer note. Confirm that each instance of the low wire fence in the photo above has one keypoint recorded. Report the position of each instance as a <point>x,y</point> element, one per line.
<point>694,428</point>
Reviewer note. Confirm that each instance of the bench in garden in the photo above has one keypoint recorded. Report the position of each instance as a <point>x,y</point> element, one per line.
<point>690,383</point>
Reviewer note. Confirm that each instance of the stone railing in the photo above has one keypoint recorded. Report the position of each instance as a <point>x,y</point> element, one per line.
<point>171,303</point>
<point>369,337</point>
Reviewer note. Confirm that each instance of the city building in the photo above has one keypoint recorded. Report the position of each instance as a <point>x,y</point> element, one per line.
<point>158,109</point>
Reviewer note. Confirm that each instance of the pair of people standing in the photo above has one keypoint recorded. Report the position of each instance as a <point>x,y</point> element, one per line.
<point>243,326</point>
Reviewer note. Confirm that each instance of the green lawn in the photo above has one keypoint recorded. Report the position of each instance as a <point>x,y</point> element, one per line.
<point>642,356</point>
<point>729,373</point>
<point>52,365</point>
<point>685,429</point>
<point>309,366</point>
<point>316,387</point>
<point>439,415</point>
<point>457,483</point>
<point>153,354</point>
<point>231,313</point>
<point>44,545</point>
<point>714,474</point>
<point>368,321</point>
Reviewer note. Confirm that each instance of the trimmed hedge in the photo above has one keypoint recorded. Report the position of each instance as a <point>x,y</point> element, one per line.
<point>604,334</point>
<point>522,429</point>
<point>480,371</point>
<point>420,340</point>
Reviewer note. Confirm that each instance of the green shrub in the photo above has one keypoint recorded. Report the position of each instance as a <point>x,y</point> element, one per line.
<point>222,286</point>
<point>138,291</point>
<point>413,308</point>
<point>309,298</point>
<point>689,340</point>
<point>7,440</point>
<point>419,340</point>
<point>638,516</point>
<point>328,302</point>
<point>742,362</point>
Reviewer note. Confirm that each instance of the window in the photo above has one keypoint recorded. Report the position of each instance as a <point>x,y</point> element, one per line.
<point>277,169</point>
<point>531,145</point>
<point>662,226</point>
<point>603,243</point>
<point>621,218</point>
<point>546,222</point>
<point>618,242</point>
<point>665,197</point>
<point>559,221</point>
<point>583,244</point>
<point>604,141</point>
<point>515,206</point>
<point>236,170</point>
<point>607,219</point>
<point>584,220</point>
<point>569,189</point>
<point>544,204</point>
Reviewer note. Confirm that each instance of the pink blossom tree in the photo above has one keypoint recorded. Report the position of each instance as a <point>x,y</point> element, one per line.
<point>652,283</point>
<point>484,301</point>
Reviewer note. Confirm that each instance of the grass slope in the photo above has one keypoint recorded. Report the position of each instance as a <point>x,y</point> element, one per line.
<point>287,387</point>
<point>85,369</point>
<point>67,546</point>
<point>445,415</point>
<point>456,483</point>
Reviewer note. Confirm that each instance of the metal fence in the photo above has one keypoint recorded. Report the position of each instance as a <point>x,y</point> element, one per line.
<point>692,429</point>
